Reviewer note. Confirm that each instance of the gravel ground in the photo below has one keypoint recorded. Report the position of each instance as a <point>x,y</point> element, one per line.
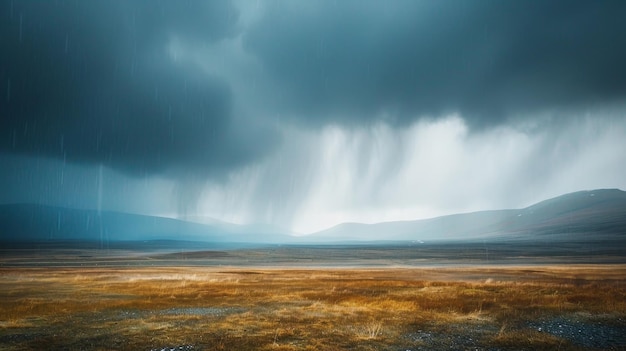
<point>180,311</point>
<point>595,333</point>
<point>175,348</point>
<point>586,331</point>
<point>199,311</point>
<point>17,338</point>
<point>455,337</point>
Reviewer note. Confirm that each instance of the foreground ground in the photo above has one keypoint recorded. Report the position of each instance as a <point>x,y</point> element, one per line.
<point>580,307</point>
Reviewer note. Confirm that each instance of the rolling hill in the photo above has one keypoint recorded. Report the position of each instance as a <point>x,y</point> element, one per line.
<point>583,215</point>
<point>31,223</point>
<point>580,216</point>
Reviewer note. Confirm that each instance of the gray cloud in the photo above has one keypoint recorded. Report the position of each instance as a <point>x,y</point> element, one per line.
<point>490,61</point>
<point>309,113</point>
<point>92,81</point>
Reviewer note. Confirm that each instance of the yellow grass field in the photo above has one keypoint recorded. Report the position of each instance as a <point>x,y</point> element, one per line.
<point>579,307</point>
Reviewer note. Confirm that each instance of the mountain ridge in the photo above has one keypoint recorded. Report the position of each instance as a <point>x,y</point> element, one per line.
<point>608,205</point>
<point>37,222</point>
<point>600,213</point>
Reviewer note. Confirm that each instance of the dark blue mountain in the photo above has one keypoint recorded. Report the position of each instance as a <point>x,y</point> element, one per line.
<point>29,223</point>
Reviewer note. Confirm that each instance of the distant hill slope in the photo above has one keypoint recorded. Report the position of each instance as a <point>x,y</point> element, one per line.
<point>580,216</point>
<point>583,215</point>
<point>28,222</point>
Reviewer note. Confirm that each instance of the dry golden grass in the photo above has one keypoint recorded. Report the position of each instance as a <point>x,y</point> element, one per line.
<point>283,309</point>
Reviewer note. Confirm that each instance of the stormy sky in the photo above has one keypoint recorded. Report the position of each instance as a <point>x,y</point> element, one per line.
<point>306,114</point>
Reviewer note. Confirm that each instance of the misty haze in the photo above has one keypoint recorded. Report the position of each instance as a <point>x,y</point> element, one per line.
<point>312,175</point>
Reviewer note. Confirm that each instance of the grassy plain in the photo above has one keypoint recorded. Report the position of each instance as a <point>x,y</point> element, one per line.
<point>243,308</point>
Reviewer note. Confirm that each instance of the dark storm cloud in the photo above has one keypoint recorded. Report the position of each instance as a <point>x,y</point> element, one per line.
<point>354,61</point>
<point>92,81</point>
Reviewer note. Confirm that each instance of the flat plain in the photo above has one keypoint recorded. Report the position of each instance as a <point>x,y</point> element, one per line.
<point>187,305</point>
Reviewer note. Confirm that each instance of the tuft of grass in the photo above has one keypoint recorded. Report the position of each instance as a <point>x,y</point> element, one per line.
<point>373,330</point>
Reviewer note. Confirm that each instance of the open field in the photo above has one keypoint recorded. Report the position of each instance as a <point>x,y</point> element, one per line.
<point>576,307</point>
<point>395,254</point>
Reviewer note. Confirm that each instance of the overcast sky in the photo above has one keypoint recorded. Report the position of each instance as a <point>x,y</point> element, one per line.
<point>306,114</point>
